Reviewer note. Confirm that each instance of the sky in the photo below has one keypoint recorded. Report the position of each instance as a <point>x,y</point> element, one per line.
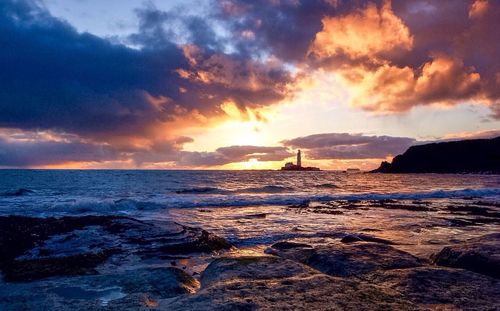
<point>242,84</point>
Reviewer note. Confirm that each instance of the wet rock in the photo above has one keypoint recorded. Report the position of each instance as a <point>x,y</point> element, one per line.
<point>270,283</point>
<point>158,282</point>
<point>472,221</point>
<point>197,241</point>
<point>371,230</point>
<point>258,215</point>
<point>351,238</point>
<point>442,288</point>
<point>137,289</point>
<point>459,222</point>
<point>251,268</point>
<point>326,211</point>
<point>34,248</point>
<point>300,252</point>
<point>481,255</point>
<point>488,203</point>
<point>474,210</point>
<point>408,206</point>
<point>289,245</point>
<point>346,260</point>
<point>301,205</point>
<point>28,270</point>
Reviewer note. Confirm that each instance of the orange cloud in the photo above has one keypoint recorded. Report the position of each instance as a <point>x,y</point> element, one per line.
<point>363,33</point>
<point>478,8</point>
<point>473,135</point>
<point>389,88</point>
<point>392,59</point>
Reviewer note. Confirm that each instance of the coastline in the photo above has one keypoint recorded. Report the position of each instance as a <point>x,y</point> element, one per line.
<point>388,242</point>
<point>479,156</point>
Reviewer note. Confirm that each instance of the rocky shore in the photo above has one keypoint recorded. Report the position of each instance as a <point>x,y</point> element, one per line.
<point>121,263</point>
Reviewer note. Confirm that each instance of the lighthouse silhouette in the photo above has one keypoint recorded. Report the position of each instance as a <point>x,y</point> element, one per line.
<point>289,166</point>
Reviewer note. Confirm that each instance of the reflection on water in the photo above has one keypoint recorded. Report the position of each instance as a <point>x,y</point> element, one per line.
<point>104,296</point>
<point>420,231</point>
<point>256,208</point>
<point>49,192</point>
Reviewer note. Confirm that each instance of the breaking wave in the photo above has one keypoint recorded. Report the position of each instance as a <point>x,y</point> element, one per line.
<point>202,190</point>
<point>266,189</point>
<point>212,190</point>
<point>327,186</point>
<point>132,206</point>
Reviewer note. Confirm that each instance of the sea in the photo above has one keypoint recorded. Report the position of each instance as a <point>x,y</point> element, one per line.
<point>253,208</point>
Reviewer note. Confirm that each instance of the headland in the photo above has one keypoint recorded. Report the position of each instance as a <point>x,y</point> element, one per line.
<point>465,156</point>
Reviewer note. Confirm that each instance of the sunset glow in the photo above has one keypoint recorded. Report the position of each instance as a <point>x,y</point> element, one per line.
<point>249,155</point>
<point>163,93</point>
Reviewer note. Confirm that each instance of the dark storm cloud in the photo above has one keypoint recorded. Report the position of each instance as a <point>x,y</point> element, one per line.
<point>211,75</point>
<point>283,28</point>
<point>231,154</point>
<point>350,146</point>
<point>158,28</point>
<point>56,78</point>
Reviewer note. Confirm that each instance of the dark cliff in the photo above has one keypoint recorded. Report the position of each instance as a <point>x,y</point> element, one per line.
<point>466,156</point>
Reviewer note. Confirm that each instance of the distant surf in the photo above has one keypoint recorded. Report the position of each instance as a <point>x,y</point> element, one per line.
<point>327,186</point>
<point>133,206</point>
<point>211,190</point>
<point>54,192</point>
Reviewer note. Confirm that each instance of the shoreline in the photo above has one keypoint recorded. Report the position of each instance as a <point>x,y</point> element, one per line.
<point>201,268</point>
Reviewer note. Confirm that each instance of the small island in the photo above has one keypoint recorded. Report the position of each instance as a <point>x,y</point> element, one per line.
<point>298,167</point>
<point>475,156</point>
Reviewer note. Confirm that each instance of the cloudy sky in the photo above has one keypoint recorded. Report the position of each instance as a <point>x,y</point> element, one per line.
<point>237,84</point>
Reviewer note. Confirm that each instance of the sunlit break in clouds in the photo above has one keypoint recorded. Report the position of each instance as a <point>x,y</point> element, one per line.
<point>237,84</point>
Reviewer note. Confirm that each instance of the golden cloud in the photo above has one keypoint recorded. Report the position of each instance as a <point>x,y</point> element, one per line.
<point>388,68</point>
<point>389,88</point>
<point>365,32</point>
<point>478,8</point>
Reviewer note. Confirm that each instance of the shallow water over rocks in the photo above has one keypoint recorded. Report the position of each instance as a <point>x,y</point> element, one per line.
<point>374,255</point>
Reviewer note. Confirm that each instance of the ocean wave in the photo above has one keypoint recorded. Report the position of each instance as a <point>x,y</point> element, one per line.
<point>16,193</point>
<point>266,189</point>
<point>131,206</point>
<point>326,186</point>
<point>202,190</point>
<point>213,190</point>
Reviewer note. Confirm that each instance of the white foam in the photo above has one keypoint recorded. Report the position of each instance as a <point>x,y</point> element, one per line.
<point>136,205</point>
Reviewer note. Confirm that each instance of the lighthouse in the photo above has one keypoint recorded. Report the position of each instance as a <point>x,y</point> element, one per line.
<point>289,166</point>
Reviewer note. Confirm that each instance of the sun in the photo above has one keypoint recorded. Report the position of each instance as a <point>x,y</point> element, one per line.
<point>251,164</point>
<point>254,164</point>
